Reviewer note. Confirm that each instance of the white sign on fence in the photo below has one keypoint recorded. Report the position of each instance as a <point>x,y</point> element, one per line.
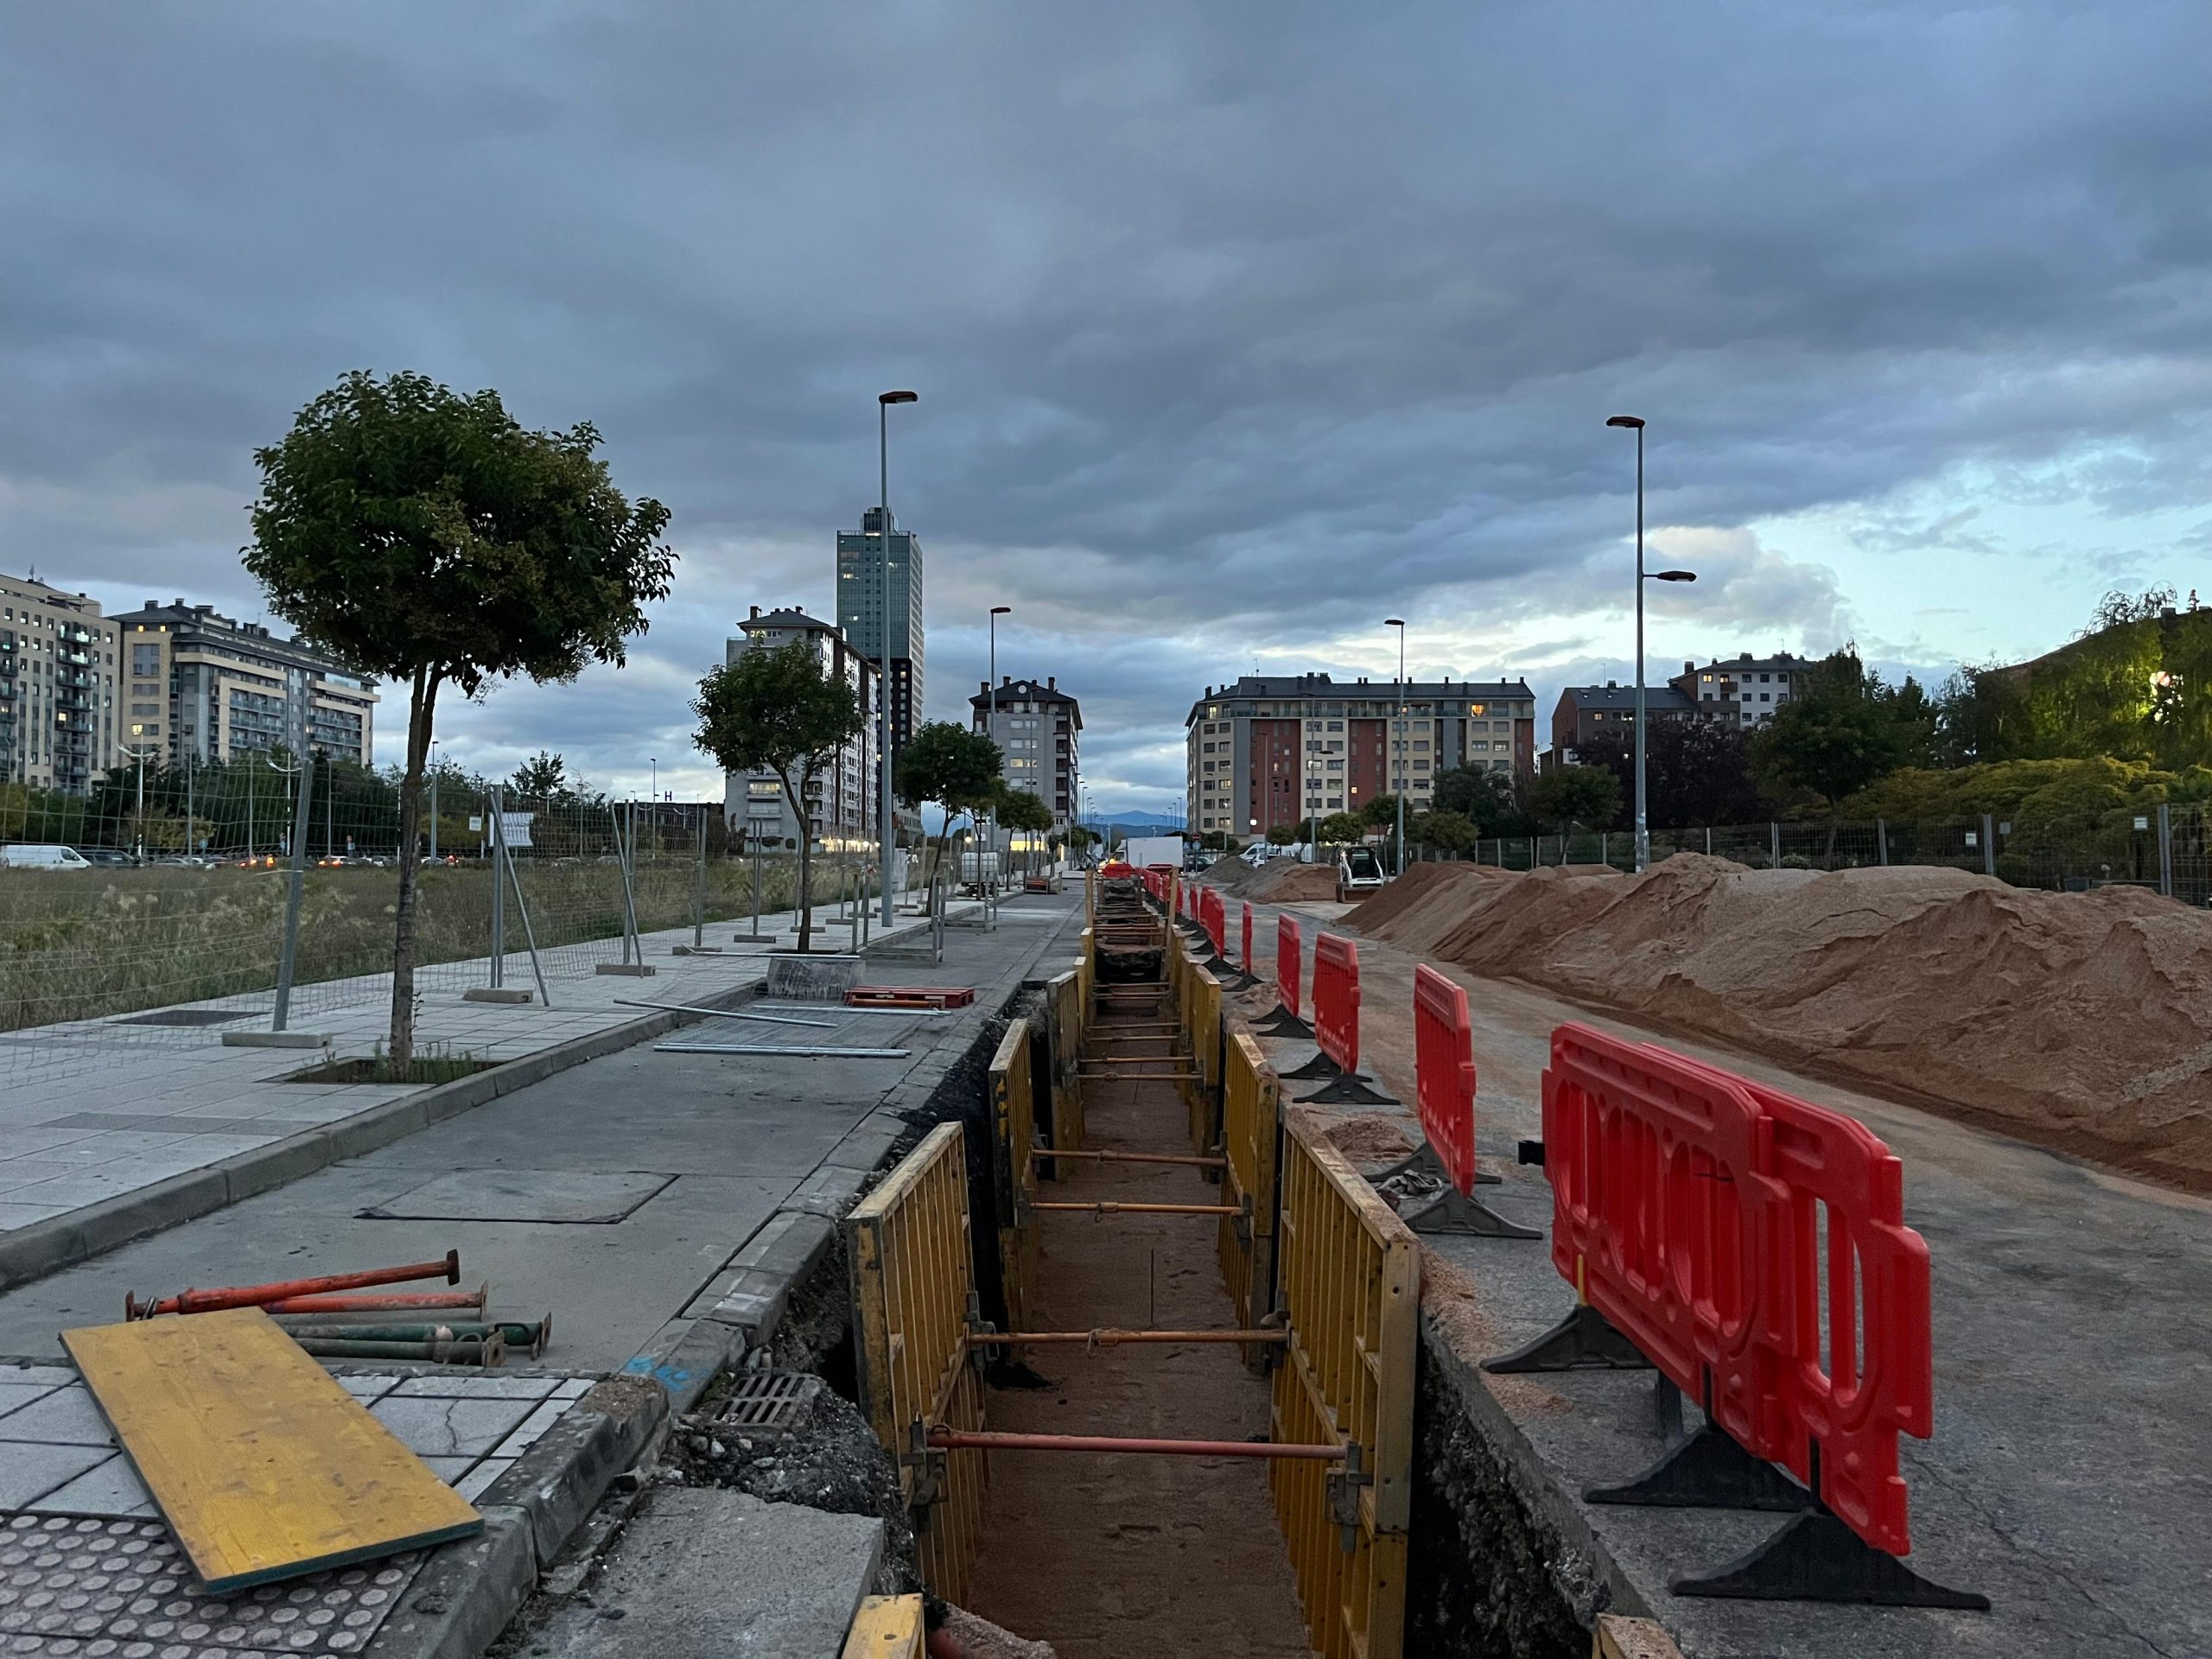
<point>476,823</point>
<point>514,827</point>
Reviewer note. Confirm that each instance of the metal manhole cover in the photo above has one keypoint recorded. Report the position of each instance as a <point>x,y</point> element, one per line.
<point>770,1404</point>
<point>573,1198</point>
<point>186,1017</point>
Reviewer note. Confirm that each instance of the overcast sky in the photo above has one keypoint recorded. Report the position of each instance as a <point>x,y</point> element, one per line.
<point>1237,327</point>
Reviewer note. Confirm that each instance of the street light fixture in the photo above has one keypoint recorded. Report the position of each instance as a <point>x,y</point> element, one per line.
<point>1635,423</point>
<point>883,401</point>
<point>1398,753</point>
<point>991,720</point>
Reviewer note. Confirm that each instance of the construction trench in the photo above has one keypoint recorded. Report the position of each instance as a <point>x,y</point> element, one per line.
<point>1150,1387</point>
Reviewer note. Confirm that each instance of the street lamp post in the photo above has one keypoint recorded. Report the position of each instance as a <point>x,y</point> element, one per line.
<point>991,720</point>
<point>1635,423</point>
<point>1400,752</point>
<point>883,401</point>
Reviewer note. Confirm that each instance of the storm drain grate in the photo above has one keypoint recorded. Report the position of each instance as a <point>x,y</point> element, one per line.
<point>770,1404</point>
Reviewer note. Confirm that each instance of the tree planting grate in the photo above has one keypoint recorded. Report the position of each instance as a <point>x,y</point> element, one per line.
<point>186,1017</point>
<point>770,1404</point>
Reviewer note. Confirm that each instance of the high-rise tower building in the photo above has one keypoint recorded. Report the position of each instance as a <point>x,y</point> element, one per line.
<point>860,612</point>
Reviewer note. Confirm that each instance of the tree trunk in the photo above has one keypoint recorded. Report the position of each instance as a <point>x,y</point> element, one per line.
<point>420,708</point>
<point>804,900</point>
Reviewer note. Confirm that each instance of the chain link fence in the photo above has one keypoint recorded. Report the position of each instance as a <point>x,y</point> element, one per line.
<point>119,929</point>
<point>2164,848</point>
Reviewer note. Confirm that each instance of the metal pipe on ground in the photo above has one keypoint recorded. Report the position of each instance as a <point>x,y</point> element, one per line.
<point>952,1440</point>
<point>1108,1336</point>
<point>395,1301</point>
<point>519,1336</point>
<point>1195,1160</point>
<point>1109,1207</point>
<point>488,1351</point>
<point>210,1302</point>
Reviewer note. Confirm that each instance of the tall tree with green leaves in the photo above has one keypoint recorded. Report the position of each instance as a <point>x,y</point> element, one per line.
<point>544,774</point>
<point>1576,797</point>
<point>782,711</point>
<point>950,766</point>
<point>1024,810</point>
<point>426,537</point>
<point>1840,734</point>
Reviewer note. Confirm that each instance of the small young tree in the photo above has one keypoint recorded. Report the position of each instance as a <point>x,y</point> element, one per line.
<point>546,774</point>
<point>1447,832</point>
<point>1569,796</point>
<point>1282,834</point>
<point>782,711</point>
<point>1341,828</point>
<point>1026,812</point>
<point>951,766</point>
<point>429,539</point>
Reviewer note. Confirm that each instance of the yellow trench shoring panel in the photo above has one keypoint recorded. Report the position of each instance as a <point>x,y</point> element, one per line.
<point>1064,1010</point>
<point>886,1627</point>
<point>1087,974</point>
<point>908,1246</point>
<point>1349,1279</point>
<point>260,1463</point>
<point>1251,1108</point>
<point>1013,1170</point>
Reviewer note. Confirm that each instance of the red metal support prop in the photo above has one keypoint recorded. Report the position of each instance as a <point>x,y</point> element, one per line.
<point>209,1301</point>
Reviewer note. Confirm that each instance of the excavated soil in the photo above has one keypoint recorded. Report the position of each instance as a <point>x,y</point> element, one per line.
<point>1278,881</point>
<point>2079,1021</point>
<point>1114,1555</point>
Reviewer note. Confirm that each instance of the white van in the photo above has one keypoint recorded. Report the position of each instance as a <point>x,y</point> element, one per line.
<point>33,855</point>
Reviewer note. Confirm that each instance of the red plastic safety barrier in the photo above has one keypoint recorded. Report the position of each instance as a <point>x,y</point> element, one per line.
<point>1688,1204</point>
<point>1335,999</point>
<point>1213,916</point>
<point>1244,944</point>
<point>1444,1064</point>
<point>1290,964</point>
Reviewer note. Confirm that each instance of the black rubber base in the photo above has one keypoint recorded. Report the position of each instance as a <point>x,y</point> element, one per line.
<point>1320,1066</point>
<point>1281,1022</point>
<point>1708,1470</point>
<point>1348,1089</point>
<point>1814,1557</point>
<point>1450,1213</point>
<point>1424,1162</point>
<point>1584,1341</point>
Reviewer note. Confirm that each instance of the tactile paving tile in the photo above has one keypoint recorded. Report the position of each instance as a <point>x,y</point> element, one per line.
<point>121,1589</point>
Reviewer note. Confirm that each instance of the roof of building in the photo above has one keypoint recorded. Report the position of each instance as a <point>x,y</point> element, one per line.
<point>1747,663</point>
<point>1027,691</point>
<point>785,616</point>
<point>1315,686</point>
<point>183,620</point>
<point>1658,699</point>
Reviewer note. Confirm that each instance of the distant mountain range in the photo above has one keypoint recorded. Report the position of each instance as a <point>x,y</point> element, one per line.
<point>1099,820</point>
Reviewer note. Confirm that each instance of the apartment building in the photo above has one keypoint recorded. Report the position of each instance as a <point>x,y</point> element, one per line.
<point>841,810</point>
<point>203,687</point>
<point>1038,729</point>
<point>1584,712</point>
<point>57,687</point>
<point>1273,750</point>
<point>1744,691</point>
<point>862,615</point>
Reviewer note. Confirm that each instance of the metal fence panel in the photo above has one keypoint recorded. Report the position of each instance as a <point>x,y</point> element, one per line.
<point>1350,1282</point>
<point>908,1248</point>
<point>1064,1013</point>
<point>1013,1169</point>
<point>1251,1125</point>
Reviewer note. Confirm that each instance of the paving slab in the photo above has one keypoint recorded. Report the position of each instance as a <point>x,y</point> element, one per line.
<point>706,1574</point>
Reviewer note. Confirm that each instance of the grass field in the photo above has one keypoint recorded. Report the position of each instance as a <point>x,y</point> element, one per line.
<point>87,944</point>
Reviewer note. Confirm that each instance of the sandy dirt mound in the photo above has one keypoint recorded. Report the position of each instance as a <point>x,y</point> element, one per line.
<point>1371,1138</point>
<point>2078,1021</point>
<point>1278,881</point>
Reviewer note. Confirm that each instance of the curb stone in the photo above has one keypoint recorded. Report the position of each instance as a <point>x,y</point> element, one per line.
<point>465,1595</point>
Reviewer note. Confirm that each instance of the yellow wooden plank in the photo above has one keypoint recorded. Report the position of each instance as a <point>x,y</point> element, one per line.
<point>262,1466</point>
<point>886,1627</point>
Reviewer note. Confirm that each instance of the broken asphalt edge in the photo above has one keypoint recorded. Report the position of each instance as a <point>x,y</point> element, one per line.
<point>742,1302</point>
<point>44,1247</point>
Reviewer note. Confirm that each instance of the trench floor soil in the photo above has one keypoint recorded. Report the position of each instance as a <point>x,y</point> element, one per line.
<point>1114,1555</point>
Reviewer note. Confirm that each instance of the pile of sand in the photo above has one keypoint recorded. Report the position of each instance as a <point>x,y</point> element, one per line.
<point>2082,1022</point>
<point>1278,881</point>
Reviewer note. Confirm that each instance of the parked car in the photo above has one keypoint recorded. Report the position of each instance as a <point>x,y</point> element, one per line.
<point>108,856</point>
<point>1358,871</point>
<point>40,856</point>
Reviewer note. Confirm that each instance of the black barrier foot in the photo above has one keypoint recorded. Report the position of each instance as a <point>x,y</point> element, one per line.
<point>1584,1341</point>
<point>1320,1066</point>
<point>1423,1161</point>
<point>1814,1557</point>
<point>1448,1212</point>
<point>1283,1023</point>
<point>1708,1470</point>
<point>1348,1089</point>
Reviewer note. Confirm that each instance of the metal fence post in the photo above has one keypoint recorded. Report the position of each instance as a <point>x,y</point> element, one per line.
<point>1708,841</point>
<point>1774,844</point>
<point>699,886</point>
<point>2165,850</point>
<point>1882,841</point>
<point>498,828</point>
<point>1988,844</point>
<point>289,955</point>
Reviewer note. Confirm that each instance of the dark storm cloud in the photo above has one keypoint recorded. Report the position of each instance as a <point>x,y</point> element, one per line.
<point>1226,318</point>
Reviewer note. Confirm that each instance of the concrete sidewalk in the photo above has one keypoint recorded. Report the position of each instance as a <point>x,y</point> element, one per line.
<point>2073,1375</point>
<point>160,1122</point>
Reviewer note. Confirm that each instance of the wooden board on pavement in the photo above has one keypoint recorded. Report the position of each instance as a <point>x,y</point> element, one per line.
<point>261,1464</point>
